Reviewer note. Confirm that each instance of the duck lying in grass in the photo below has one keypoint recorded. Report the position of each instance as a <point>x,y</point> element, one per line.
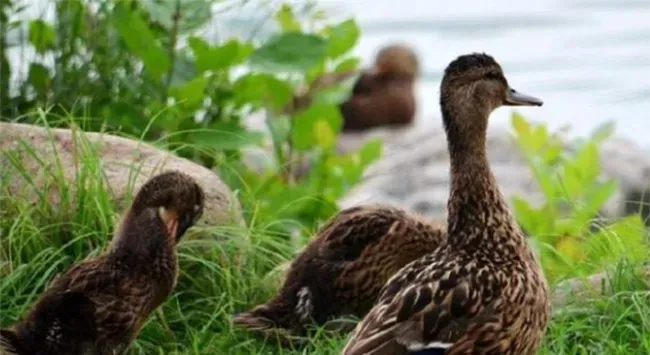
<point>382,95</point>
<point>343,269</point>
<point>483,292</point>
<point>99,305</point>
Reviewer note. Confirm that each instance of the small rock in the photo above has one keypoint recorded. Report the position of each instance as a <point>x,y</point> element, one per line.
<point>125,165</point>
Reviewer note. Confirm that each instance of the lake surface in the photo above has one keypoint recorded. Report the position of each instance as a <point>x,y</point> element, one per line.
<point>589,60</point>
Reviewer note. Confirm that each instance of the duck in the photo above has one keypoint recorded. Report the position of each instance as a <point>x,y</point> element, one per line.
<point>98,305</point>
<point>483,291</point>
<point>382,95</point>
<point>341,271</point>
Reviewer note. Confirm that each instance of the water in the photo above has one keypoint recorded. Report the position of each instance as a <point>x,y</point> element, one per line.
<point>589,60</point>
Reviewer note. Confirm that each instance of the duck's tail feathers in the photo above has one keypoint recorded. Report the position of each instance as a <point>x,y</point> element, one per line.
<point>277,313</point>
<point>9,343</point>
<point>63,317</point>
<point>271,321</point>
<point>253,320</point>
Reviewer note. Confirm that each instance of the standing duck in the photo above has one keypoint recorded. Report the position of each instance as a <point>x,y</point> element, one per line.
<point>483,292</point>
<point>99,305</point>
<point>343,269</point>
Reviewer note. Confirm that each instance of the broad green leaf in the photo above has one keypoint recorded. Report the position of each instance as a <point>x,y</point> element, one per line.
<point>571,183</point>
<point>520,125</point>
<point>587,162</point>
<point>596,198</point>
<point>190,95</point>
<point>290,51</point>
<point>538,137</point>
<point>218,57</point>
<point>325,136</point>
<point>342,38</point>
<point>336,94</point>
<point>552,153</point>
<point>194,13</point>
<point>41,36</point>
<point>348,64</point>
<point>226,136</point>
<point>304,122</point>
<point>287,19</point>
<point>39,78</point>
<point>262,89</point>
<point>525,214</point>
<point>137,36</point>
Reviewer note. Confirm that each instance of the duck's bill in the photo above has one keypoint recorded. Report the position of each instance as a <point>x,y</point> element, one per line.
<point>170,219</point>
<point>515,98</point>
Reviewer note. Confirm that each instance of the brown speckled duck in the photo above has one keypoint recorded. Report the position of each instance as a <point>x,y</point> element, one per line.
<point>343,269</point>
<point>99,305</point>
<point>383,95</point>
<point>483,292</point>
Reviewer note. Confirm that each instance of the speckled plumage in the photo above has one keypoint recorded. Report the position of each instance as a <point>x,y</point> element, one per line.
<point>483,292</point>
<point>98,305</point>
<point>343,269</point>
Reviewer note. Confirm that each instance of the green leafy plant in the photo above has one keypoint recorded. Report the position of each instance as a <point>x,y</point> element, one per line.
<point>565,226</point>
<point>137,67</point>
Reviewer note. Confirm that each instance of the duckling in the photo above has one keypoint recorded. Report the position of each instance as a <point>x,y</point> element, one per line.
<point>483,291</point>
<point>383,95</point>
<point>99,305</point>
<point>343,269</point>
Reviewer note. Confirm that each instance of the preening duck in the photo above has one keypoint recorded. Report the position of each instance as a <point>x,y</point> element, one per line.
<point>343,269</point>
<point>483,292</point>
<point>99,305</point>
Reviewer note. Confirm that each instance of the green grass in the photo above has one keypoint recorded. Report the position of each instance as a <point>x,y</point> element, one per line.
<point>220,277</point>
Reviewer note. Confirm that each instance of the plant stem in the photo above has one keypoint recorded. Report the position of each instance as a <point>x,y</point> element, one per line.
<point>173,40</point>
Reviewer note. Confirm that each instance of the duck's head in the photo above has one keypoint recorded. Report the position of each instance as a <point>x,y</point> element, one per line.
<point>177,199</point>
<point>474,85</point>
<point>397,59</point>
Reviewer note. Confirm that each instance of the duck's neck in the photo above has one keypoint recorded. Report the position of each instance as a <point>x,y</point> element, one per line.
<point>478,216</point>
<point>142,245</point>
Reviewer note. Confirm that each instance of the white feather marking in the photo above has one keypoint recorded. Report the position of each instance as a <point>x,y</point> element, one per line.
<point>416,346</point>
<point>304,308</point>
<point>54,332</point>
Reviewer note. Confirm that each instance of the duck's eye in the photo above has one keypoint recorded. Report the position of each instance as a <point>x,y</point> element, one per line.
<point>493,76</point>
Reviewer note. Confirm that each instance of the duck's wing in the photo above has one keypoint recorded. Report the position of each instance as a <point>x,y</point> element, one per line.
<point>426,316</point>
<point>346,235</point>
<point>64,320</point>
<point>99,282</point>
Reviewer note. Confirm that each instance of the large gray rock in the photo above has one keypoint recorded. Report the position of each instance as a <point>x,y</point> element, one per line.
<point>414,172</point>
<point>42,155</point>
